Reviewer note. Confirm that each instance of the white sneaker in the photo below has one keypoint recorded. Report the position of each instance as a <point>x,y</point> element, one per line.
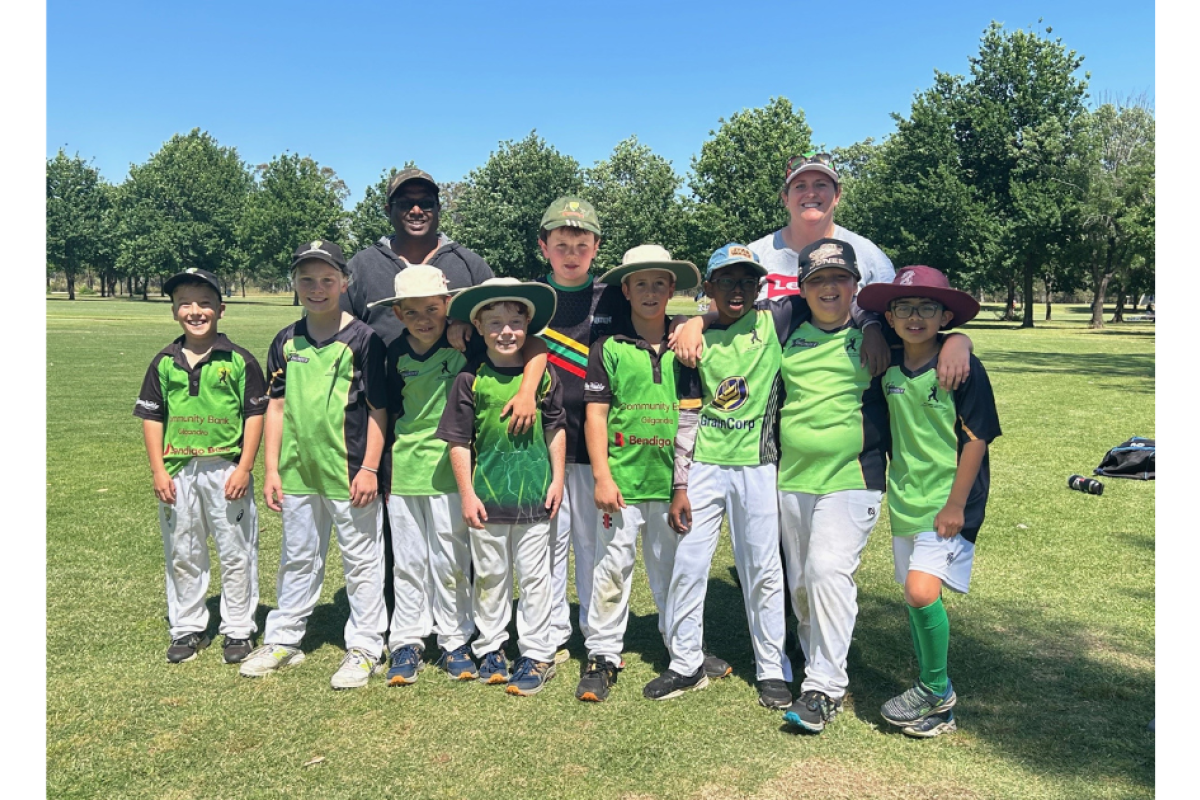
<point>356,668</point>
<point>270,658</point>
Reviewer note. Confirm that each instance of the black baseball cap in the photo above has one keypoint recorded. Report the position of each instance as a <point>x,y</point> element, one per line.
<point>192,275</point>
<point>321,250</point>
<point>828,254</point>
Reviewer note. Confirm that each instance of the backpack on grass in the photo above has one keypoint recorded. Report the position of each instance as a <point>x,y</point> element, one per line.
<point>1131,459</point>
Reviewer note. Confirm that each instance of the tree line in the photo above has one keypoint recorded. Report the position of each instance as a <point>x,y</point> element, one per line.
<point>1005,178</point>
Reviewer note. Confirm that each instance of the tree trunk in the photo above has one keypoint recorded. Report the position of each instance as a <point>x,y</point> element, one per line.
<point>295,298</point>
<point>1100,281</point>
<point>129,285</point>
<point>1010,304</point>
<point>146,287</point>
<point>1049,282</point>
<point>1027,290</point>
<point>104,284</point>
<point>1119,313</point>
<point>243,287</point>
<point>70,285</point>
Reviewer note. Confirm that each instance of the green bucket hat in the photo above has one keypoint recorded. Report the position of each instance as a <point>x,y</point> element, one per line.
<point>653,256</point>
<point>571,212</point>
<point>539,299</point>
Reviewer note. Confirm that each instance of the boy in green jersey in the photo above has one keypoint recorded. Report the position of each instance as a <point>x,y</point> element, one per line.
<point>938,481</point>
<point>201,406</point>
<point>632,416</point>
<point>324,442</point>
<point>727,419</point>
<point>511,484</point>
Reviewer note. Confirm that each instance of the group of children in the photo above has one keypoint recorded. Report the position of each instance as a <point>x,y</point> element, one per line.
<point>765,427</point>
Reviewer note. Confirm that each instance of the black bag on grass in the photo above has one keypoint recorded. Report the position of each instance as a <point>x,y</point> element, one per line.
<point>1132,459</point>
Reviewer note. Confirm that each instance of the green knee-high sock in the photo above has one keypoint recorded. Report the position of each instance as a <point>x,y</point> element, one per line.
<point>931,631</point>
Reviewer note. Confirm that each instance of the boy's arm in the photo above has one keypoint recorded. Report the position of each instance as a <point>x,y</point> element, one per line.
<point>457,334</point>
<point>273,441</point>
<point>365,486</point>
<point>689,338</point>
<point>164,484</point>
<point>954,360</point>
<point>472,508</point>
<point>595,431</point>
<point>949,521</point>
<point>523,406</point>
<point>239,479</point>
<point>556,441</point>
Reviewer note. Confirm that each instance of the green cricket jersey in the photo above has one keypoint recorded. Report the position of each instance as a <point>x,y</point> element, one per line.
<point>328,389</point>
<point>738,385</point>
<point>929,428</point>
<point>833,423</point>
<point>202,408</point>
<point>511,474</point>
<point>638,385</point>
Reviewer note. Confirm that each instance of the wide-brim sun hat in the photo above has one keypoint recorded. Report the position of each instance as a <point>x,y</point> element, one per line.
<point>734,253</point>
<point>416,280</point>
<point>920,281</point>
<point>539,299</point>
<point>653,256</point>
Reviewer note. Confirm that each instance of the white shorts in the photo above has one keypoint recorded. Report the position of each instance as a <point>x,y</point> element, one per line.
<point>949,559</point>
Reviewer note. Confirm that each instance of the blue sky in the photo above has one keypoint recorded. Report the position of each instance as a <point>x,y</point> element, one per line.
<point>364,86</point>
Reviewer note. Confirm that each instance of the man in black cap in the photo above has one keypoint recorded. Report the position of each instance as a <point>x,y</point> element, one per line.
<point>414,208</point>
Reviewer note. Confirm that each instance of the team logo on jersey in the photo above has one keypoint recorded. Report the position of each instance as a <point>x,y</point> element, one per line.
<point>619,439</point>
<point>852,346</point>
<point>932,395</point>
<point>147,404</point>
<point>223,372</point>
<point>594,386</point>
<point>297,357</point>
<point>892,388</point>
<point>258,400</point>
<point>599,319</point>
<point>409,373</point>
<point>932,400</point>
<point>445,368</point>
<point>800,341</point>
<point>731,395</point>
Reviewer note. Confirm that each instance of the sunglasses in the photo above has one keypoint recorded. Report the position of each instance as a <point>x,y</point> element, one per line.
<point>424,203</point>
<point>729,284</point>
<point>924,310</point>
<point>811,157</point>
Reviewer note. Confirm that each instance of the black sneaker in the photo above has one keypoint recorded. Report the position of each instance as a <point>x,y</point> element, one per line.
<point>718,668</point>
<point>813,710</point>
<point>774,693</point>
<point>236,650</point>
<point>672,684</point>
<point>186,647</point>
<point>597,678</point>
<point>933,725</point>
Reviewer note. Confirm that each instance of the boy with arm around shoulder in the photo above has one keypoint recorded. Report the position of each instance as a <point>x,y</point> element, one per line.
<point>938,480</point>
<point>201,406</point>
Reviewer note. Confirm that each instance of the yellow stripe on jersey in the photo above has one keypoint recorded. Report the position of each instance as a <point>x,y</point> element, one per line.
<point>566,342</point>
<point>967,430</point>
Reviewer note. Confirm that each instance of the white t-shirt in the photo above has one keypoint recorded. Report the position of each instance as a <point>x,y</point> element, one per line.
<point>783,263</point>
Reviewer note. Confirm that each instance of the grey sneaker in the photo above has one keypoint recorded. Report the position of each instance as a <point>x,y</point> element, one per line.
<point>933,725</point>
<point>236,650</point>
<point>774,693</point>
<point>916,703</point>
<point>270,658</point>
<point>717,668</point>
<point>186,647</point>
<point>356,669</point>
<point>671,684</point>
<point>813,711</point>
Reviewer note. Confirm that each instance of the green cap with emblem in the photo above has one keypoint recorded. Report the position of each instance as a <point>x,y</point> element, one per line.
<point>573,212</point>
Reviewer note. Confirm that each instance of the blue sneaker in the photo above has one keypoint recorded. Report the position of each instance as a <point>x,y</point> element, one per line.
<point>459,664</point>
<point>406,664</point>
<point>933,725</point>
<point>529,676</point>
<point>494,668</point>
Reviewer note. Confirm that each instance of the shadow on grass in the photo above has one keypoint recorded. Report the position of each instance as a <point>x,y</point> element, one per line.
<point>1117,367</point>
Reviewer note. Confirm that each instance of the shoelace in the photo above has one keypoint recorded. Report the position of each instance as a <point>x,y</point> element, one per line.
<point>357,658</point>
<point>524,668</point>
<point>494,662</point>
<point>405,655</point>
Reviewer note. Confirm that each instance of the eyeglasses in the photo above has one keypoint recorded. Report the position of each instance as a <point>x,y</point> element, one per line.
<point>729,284</point>
<point>811,157</point>
<point>924,310</point>
<point>404,204</point>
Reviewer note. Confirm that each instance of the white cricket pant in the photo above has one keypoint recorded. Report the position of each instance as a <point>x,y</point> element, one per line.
<point>496,552</point>
<point>575,525</point>
<point>748,495</point>
<point>823,539</point>
<point>432,553</point>
<point>307,519</point>
<point>612,579</point>
<point>201,510</point>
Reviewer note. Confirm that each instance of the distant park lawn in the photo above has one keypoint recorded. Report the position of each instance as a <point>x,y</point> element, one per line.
<point>1052,652</point>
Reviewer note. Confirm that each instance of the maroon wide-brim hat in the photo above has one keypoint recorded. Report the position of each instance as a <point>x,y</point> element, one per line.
<point>920,281</point>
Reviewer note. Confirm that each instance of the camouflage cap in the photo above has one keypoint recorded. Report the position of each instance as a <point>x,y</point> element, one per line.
<point>571,212</point>
<point>411,174</point>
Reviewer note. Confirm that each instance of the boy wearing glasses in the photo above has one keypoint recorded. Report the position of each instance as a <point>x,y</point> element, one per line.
<point>725,456</point>
<point>938,479</point>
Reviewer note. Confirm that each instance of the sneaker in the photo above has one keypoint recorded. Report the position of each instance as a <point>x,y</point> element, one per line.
<point>917,703</point>
<point>599,676</point>
<point>406,664</point>
<point>672,684</point>
<point>562,655</point>
<point>356,669</point>
<point>933,725</point>
<point>718,668</point>
<point>186,647</point>
<point>494,668</point>
<point>529,676</point>
<point>236,650</point>
<point>813,710</point>
<point>270,658</point>
<point>774,693</point>
<point>459,664</point>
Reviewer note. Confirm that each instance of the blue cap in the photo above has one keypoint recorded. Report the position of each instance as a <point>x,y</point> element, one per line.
<point>733,253</point>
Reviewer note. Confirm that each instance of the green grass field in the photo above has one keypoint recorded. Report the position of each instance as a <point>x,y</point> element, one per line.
<point>1052,652</point>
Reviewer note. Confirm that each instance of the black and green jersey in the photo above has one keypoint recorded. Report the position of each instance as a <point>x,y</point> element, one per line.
<point>833,423</point>
<point>511,474</point>
<point>638,385</point>
<point>329,389</point>
<point>738,385</point>
<point>202,408</point>
<point>418,386</point>
<point>929,428</point>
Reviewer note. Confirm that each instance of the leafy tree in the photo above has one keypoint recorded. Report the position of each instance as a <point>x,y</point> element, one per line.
<point>497,211</point>
<point>737,176</point>
<point>180,209</point>
<point>635,193</point>
<point>75,203</point>
<point>294,200</point>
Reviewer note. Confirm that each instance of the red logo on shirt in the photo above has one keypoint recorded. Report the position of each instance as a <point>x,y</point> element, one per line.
<point>619,439</point>
<point>782,285</point>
